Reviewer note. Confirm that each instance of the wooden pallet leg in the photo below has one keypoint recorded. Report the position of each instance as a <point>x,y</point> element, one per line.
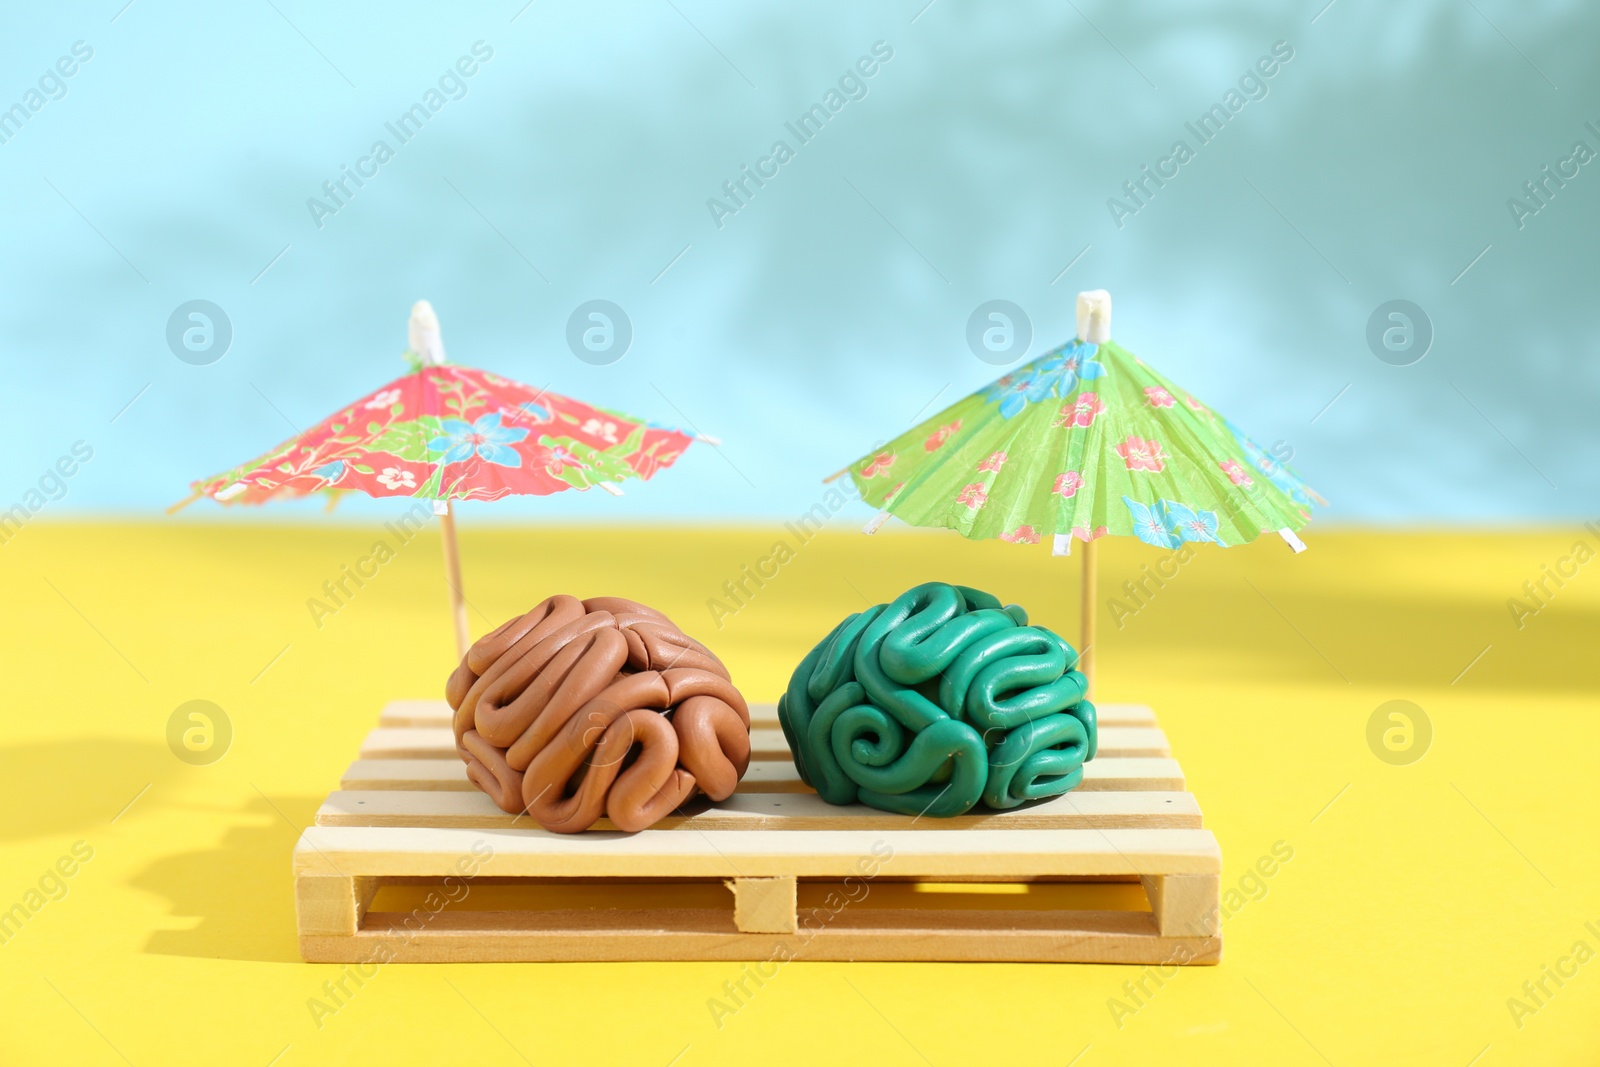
<point>332,904</point>
<point>1185,905</point>
<point>765,905</point>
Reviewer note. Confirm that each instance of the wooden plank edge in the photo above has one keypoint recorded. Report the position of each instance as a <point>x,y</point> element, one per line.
<point>470,810</point>
<point>862,943</point>
<point>1144,774</point>
<point>934,855</point>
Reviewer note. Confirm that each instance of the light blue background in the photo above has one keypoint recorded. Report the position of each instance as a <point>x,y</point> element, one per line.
<point>810,326</point>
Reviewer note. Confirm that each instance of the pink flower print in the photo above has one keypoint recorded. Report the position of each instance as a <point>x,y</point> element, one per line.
<point>995,461</point>
<point>1068,484</point>
<point>1236,473</point>
<point>1142,455</point>
<point>1082,411</point>
<point>382,399</point>
<point>1159,397</point>
<point>941,435</point>
<point>878,464</point>
<point>555,458</point>
<point>974,496</point>
<point>1083,533</point>
<point>395,478</point>
<point>1194,404</point>
<point>1022,535</point>
<point>601,428</point>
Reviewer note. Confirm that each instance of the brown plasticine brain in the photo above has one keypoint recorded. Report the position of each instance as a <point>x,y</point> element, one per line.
<point>584,708</point>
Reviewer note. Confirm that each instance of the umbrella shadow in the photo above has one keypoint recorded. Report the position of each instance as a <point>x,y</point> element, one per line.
<point>1254,614</point>
<point>72,785</point>
<point>239,893</point>
<point>1392,638</point>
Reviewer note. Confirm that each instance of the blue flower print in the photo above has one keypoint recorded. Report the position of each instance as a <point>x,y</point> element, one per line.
<point>1191,525</point>
<point>1054,375</point>
<point>1275,472</point>
<point>331,471</point>
<point>485,438</point>
<point>1150,525</point>
<point>535,410</point>
<point>1073,365</point>
<point>1017,390</point>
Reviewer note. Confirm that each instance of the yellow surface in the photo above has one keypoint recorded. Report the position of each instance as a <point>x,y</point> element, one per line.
<point>1416,903</point>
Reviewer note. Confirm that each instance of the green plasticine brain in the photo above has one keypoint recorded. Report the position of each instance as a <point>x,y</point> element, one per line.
<point>937,701</point>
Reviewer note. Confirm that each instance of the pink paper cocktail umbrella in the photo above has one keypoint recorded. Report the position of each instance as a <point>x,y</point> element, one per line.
<point>447,432</point>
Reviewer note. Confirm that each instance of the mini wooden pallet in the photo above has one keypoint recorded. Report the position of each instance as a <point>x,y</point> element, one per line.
<point>809,880</point>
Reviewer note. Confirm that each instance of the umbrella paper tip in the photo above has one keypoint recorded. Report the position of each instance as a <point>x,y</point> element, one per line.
<point>422,333</point>
<point>1094,316</point>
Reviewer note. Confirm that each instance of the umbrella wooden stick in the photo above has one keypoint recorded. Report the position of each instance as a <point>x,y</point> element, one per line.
<point>422,335</point>
<point>452,568</point>
<point>185,502</point>
<point>1094,327</point>
<point>1090,592</point>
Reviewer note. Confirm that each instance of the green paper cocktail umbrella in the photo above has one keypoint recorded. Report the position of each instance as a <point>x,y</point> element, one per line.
<point>1084,441</point>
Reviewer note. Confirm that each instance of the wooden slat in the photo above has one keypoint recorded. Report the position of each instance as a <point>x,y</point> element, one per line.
<point>437,713</point>
<point>702,934</point>
<point>409,742</point>
<point>406,774</point>
<point>772,776</point>
<point>1152,774</point>
<point>774,811</point>
<point>434,742</point>
<point>769,776</point>
<point>937,854</point>
<point>415,713</point>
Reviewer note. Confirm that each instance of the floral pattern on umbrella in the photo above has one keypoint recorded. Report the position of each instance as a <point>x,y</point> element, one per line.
<point>452,432</point>
<point>1087,440</point>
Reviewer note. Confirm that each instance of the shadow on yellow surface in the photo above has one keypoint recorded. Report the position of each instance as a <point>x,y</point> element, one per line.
<point>203,885</point>
<point>67,786</point>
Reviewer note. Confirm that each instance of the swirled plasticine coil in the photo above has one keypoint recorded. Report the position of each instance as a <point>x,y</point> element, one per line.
<point>584,708</point>
<point>936,702</point>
